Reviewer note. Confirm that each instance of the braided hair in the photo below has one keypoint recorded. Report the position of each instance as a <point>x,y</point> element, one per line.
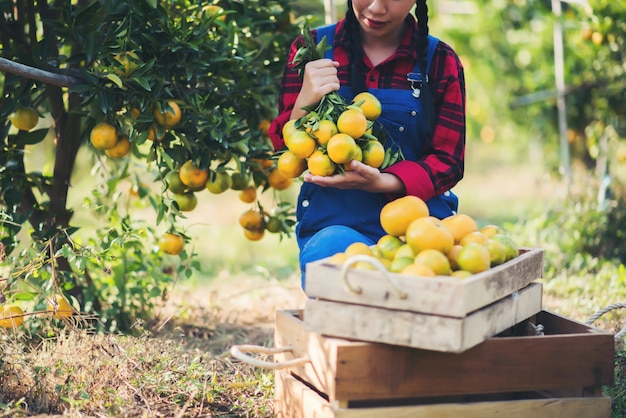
<point>355,56</point>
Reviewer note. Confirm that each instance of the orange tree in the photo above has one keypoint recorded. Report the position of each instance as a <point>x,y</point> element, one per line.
<point>163,85</point>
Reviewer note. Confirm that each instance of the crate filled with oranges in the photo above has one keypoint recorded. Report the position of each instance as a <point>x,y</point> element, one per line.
<point>435,284</point>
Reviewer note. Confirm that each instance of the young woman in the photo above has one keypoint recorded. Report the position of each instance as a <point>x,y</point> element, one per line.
<point>382,48</point>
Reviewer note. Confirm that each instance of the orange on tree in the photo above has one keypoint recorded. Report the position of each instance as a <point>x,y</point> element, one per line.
<point>120,149</point>
<point>429,232</point>
<point>248,195</point>
<point>252,220</point>
<point>59,307</point>
<point>173,182</point>
<point>274,225</point>
<point>320,164</point>
<point>172,243</point>
<point>460,225</point>
<point>11,316</point>
<point>373,153</point>
<point>352,122</point>
<point>435,260</point>
<point>127,61</point>
<point>156,133</point>
<point>215,10</point>
<point>193,176</point>
<point>264,126</point>
<point>186,201</point>
<point>397,214</point>
<point>254,234</point>
<point>134,112</point>
<point>342,148</point>
<point>277,181</point>
<point>370,105</point>
<point>301,144</point>
<point>474,258</point>
<point>24,118</point>
<point>219,182</point>
<point>239,180</point>
<point>289,165</point>
<point>167,116</point>
<point>326,130</point>
<point>103,136</point>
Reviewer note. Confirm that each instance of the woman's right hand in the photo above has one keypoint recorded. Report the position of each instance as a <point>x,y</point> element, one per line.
<point>320,78</point>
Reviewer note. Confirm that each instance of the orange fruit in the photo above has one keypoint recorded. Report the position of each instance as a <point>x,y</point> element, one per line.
<point>263,162</point>
<point>418,270</point>
<point>342,148</point>
<point>252,220</point>
<point>11,316</point>
<point>173,183</point>
<point>24,118</point>
<point>264,126</point>
<point>274,225</point>
<point>320,164</point>
<point>429,232</point>
<point>387,246</point>
<point>399,263</point>
<point>193,176</point>
<point>460,225</point>
<point>497,251</point>
<point>370,105</point>
<point>301,144</point>
<point>120,149</point>
<point>373,153</point>
<point>239,180</point>
<point>168,116</point>
<point>248,195</point>
<point>171,243</point>
<point>337,259</point>
<point>404,250</point>
<point>254,234</point>
<point>134,112</point>
<point>397,214</point>
<point>186,201</point>
<point>460,274</point>
<point>475,236</point>
<point>474,258</point>
<point>156,133</point>
<point>289,128</point>
<point>59,307</point>
<point>435,260</point>
<point>452,256</point>
<point>358,248</point>
<point>103,136</point>
<point>127,63</point>
<point>326,130</point>
<point>215,10</point>
<point>511,248</point>
<point>219,182</point>
<point>491,230</point>
<point>352,122</point>
<point>289,165</point>
<point>277,180</point>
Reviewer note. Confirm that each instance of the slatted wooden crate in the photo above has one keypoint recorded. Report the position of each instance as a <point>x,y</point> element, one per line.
<point>435,313</point>
<point>570,358</point>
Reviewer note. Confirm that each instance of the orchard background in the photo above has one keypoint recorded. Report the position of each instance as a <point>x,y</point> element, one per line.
<point>546,158</point>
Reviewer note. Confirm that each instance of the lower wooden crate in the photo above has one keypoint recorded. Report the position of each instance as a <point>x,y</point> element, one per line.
<point>295,399</point>
<point>570,355</point>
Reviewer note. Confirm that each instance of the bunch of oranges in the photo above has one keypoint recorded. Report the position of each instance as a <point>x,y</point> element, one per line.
<point>422,245</point>
<point>325,145</point>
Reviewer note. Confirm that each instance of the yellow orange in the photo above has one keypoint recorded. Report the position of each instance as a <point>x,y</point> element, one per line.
<point>254,234</point>
<point>277,180</point>
<point>358,248</point>
<point>373,153</point>
<point>59,307</point>
<point>397,214</point>
<point>156,133</point>
<point>219,182</point>
<point>120,149</point>
<point>168,116</point>
<point>387,246</point>
<point>320,164</point>
<point>435,260</point>
<point>103,136</point>
<point>11,316</point>
<point>301,144</point>
<point>460,225</point>
<point>24,118</point>
<point>252,220</point>
<point>429,232</point>
<point>370,105</point>
<point>193,176</point>
<point>475,236</point>
<point>248,195</point>
<point>474,258</point>
<point>342,148</point>
<point>326,130</point>
<point>418,270</point>
<point>352,122</point>
<point>290,165</point>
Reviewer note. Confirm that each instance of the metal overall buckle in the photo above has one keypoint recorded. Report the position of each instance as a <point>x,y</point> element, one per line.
<point>416,81</point>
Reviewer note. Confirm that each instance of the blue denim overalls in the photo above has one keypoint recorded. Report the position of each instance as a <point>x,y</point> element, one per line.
<point>330,219</point>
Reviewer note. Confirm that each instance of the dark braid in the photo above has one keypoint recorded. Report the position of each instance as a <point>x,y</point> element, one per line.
<point>355,51</point>
<point>421,13</point>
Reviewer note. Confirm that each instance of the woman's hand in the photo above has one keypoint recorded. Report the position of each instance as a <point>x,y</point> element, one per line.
<point>320,78</point>
<point>361,177</point>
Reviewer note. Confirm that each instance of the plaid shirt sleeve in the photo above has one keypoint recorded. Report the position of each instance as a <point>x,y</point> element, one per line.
<point>443,163</point>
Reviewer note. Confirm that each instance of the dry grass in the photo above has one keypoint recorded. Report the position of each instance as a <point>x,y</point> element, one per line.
<point>182,367</point>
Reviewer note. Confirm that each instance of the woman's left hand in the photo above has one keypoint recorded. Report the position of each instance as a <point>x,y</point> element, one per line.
<point>361,177</point>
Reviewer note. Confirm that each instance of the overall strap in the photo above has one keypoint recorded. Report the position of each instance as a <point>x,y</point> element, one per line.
<point>415,78</point>
<point>329,31</point>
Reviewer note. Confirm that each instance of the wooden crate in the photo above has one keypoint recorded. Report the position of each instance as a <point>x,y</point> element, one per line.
<point>570,357</point>
<point>435,313</point>
<point>294,399</point>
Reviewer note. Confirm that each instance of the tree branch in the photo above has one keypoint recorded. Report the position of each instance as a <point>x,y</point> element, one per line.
<point>37,74</point>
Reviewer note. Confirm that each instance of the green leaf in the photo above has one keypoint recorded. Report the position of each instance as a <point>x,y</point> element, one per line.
<point>30,138</point>
<point>118,81</point>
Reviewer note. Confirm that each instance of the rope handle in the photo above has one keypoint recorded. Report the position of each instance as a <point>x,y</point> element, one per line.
<point>602,311</point>
<point>237,351</point>
<point>379,266</point>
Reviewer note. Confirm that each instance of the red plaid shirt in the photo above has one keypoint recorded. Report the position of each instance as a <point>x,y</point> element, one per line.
<point>443,162</point>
